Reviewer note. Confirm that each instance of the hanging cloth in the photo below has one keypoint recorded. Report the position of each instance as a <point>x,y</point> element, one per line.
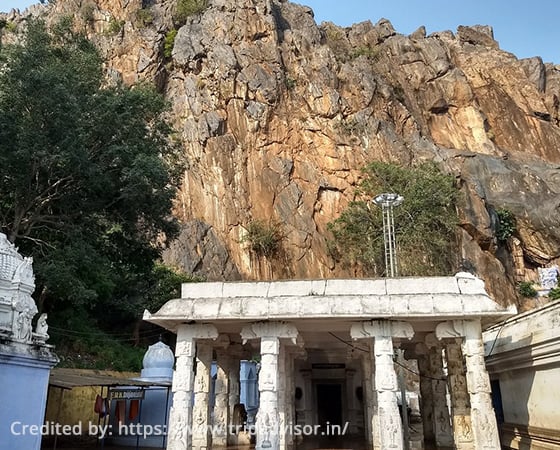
<point>134,408</point>
<point>120,409</point>
<point>98,404</point>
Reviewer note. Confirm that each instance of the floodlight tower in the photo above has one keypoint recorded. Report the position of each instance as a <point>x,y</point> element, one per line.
<point>388,201</point>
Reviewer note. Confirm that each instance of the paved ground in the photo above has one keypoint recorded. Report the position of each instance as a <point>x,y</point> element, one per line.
<point>315,444</point>
<point>332,443</point>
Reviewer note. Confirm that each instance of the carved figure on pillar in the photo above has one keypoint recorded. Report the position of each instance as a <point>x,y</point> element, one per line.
<point>463,430</point>
<point>389,424</point>
<point>178,426</point>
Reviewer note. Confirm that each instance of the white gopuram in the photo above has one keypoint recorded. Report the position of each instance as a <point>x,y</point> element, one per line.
<point>25,358</point>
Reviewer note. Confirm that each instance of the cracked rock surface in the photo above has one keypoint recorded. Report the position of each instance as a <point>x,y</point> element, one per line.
<point>278,114</point>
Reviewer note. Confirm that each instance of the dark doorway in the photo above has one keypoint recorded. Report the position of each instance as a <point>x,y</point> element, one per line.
<point>497,401</point>
<point>329,404</point>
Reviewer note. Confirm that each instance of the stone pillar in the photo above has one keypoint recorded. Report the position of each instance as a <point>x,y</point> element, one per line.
<point>202,436</point>
<point>370,398</point>
<point>460,405</point>
<point>426,393</point>
<point>351,401</point>
<point>181,413</point>
<point>388,421</point>
<point>442,423</point>
<point>282,393</point>
<point>268,416</point>
<point>484,426</point>
<point>307,396</point>
<point>291,355</point>
<point>221,396</point>
<point>236,353</point>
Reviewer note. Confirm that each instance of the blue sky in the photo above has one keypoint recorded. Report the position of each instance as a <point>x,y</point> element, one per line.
<point>522,27</point>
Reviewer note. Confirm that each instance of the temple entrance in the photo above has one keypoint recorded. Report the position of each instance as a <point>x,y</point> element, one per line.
<point>329,404</point>
<point>322,346</point>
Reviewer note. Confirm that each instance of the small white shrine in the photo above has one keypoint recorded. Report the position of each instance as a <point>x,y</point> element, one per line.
<point>327,351</point>
<point>25,358</point>
<point>137,408</point>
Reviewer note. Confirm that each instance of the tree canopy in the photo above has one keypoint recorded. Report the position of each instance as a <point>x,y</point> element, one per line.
<point>425,223</point>
<point>86,182</point>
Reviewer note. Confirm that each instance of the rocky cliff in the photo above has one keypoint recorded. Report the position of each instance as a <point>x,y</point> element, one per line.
<point>277,115</point>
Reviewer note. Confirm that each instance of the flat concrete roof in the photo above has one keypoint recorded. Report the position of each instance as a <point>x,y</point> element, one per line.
<point>309,301</point>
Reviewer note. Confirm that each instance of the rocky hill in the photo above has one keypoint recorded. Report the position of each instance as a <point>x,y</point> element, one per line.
<point>277,115</point>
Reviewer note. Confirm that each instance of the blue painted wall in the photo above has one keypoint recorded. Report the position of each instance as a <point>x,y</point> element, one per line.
<point>23,397</point>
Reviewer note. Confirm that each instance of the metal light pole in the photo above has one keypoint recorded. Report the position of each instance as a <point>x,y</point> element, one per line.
<point>388,201</point>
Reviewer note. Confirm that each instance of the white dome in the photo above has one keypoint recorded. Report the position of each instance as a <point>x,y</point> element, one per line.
<point>158,356</point>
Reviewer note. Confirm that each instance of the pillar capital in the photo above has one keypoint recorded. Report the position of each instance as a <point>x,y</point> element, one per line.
<point>458,328</point>
<point>269,329</point>
<point>196,331</point>
<point>379,328</point>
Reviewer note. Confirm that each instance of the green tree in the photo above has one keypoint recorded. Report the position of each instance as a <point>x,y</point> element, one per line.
<point>425,223</point>
<point>86,186</point>
<point>186,8</point>
<point>506,224</point>
<point>150,292</point>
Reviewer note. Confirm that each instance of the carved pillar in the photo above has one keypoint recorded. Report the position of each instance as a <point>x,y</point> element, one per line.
<point>442,423</point>
<point>181,414</point>
<point>202,437</point>
<point>221,396</point>
<point>388,421</point>
<point>460,405</point>
<point>426,393</point>
<point>268,416</point>
<point>484,426</point>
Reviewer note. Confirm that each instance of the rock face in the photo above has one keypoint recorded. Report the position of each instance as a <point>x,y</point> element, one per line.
<point>278,115</point>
